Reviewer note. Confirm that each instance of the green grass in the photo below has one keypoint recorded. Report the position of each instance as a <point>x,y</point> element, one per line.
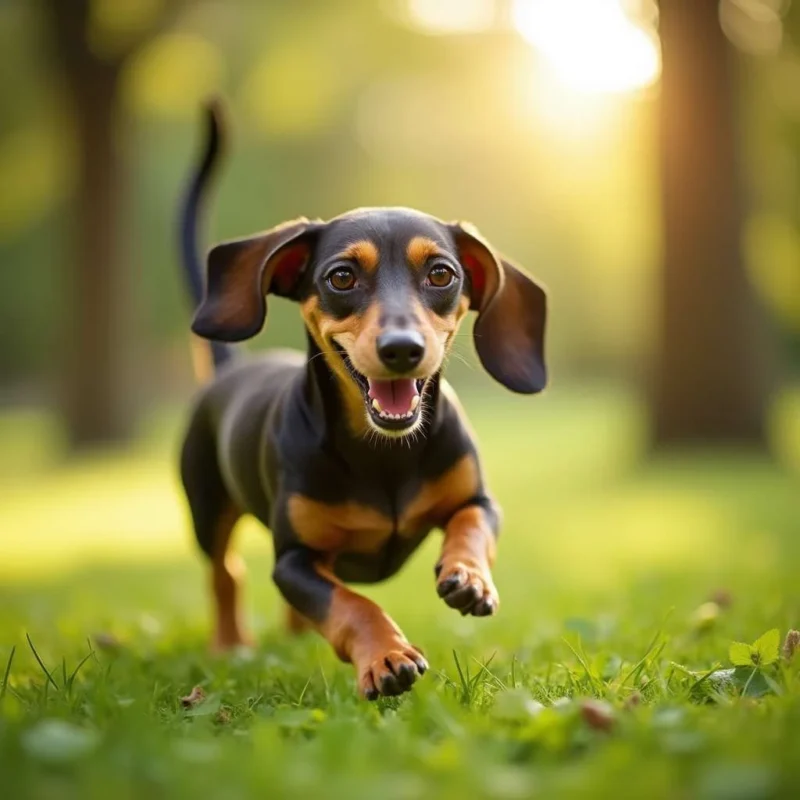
<point>603,569</point>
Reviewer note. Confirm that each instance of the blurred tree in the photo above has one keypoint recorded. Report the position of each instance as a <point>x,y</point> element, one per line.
<point>712,368</point>
<point>91,41</point>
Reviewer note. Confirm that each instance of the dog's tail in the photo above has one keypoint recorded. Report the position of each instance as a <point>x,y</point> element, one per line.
<point>206,356</point>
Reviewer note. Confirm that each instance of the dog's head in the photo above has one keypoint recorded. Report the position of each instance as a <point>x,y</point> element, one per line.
<point>382,293</point>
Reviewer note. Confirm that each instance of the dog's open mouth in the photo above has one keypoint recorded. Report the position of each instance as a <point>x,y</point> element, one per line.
<point>394,404</point>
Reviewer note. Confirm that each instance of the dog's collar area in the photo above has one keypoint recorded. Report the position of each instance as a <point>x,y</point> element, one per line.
<point>394,405</point>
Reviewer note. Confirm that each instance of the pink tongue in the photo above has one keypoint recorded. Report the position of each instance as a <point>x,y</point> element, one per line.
<point>394,396</point>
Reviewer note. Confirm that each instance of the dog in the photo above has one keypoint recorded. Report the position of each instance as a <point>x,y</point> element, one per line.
<point>351,454</point>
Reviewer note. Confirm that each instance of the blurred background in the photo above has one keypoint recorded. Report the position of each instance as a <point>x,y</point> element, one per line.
<point>640,159</point>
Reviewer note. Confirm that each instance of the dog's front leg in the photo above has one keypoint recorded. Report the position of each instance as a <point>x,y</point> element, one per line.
<point>359,631</point>
<point>463,572</point>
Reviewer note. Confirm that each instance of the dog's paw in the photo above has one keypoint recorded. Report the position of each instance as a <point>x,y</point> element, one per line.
<point>468,589</point>
<point>390,670</point>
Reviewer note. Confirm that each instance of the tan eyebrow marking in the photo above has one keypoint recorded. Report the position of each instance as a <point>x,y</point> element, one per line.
<point>420,249</point>
<point>364,252</point>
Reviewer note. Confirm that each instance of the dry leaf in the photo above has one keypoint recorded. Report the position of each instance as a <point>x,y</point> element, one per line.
<point>597,714</point>
<point>632,701</point>
<point>107,641</point>
<point>195,697</point>
<point>722,597</point>
<point>791,644</point>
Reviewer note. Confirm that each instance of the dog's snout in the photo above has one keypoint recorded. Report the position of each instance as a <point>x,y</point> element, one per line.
<point>401,350</point>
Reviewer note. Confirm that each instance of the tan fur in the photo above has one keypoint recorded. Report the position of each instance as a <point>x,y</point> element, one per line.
<point>361,633</point>
<point>438,498</point>
<point>364,252</point>
<point>227,571</point>
<point>354,528</point>
<point>469,539</point>
<point>202,359</point>
<point>332,528</point>
<point>323,329</point>
<point>420,249</point>
<point>296,623</point>
<point>468,552</point>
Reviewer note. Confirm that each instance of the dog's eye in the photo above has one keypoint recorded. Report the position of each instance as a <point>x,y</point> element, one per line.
<point>342,279</point>
<point>440,276</point>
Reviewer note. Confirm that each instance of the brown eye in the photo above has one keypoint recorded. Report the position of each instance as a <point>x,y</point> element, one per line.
<point>440,276</point>
<point>342,279</point>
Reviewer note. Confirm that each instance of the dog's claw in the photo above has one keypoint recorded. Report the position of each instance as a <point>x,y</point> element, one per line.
<point>449,584</point>
<point>469,591</point>
<point>484,608</point>
<point>393,673</point>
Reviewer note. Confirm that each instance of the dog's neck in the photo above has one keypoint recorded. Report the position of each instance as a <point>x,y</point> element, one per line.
<point>323,394</point>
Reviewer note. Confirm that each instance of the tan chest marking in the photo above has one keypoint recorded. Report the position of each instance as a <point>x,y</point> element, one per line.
<point>340,527</point>
<point>355,528</point>
<point>439,498</point>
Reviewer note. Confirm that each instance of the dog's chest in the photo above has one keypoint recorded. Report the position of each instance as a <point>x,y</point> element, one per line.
<point>353,527</point>
<point>359,527</point>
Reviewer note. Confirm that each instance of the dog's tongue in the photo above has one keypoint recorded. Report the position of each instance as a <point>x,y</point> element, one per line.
<point>395,396</point>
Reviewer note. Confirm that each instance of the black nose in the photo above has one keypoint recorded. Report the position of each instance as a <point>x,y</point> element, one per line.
<point>401,351</point>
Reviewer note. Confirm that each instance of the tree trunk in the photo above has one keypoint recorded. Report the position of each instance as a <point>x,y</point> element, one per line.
<point>711,383</point>
<point>95,403</point>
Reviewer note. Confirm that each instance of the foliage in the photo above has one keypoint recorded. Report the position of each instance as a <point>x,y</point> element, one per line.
<point>338,105</point>
<point>604,674</point>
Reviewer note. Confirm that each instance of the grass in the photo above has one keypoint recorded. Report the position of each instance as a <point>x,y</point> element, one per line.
<point>606,673</point>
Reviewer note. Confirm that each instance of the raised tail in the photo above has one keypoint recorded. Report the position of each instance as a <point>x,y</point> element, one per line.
<point>207,356</point>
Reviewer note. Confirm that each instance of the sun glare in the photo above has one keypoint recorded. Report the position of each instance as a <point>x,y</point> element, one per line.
<point>591,45</point>
<point>452,16</point>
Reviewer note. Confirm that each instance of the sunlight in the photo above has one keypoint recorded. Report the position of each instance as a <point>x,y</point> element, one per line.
<point>451,16</point>
<point>591,45</point>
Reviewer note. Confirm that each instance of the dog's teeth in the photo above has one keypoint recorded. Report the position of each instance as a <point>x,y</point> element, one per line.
<point>377,406</point>
<point>414,404</point>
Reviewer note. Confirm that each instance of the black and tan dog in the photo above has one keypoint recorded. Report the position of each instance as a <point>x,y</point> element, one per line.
<point>352,454</point>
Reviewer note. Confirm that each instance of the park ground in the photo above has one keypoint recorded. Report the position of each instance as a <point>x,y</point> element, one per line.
<point>608,672</point>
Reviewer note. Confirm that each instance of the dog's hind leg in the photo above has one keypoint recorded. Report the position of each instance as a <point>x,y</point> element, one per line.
<point>296,623</point>
<point>214,515</point>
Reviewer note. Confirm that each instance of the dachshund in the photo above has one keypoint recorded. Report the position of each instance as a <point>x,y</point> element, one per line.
<point>352,453</point>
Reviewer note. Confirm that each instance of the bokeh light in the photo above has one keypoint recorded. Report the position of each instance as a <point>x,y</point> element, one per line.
<point>451,16</point>
<point>591,45</point>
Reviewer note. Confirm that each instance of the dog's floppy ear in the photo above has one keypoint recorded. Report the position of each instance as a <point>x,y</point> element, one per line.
<point>241,272</point>
<point>512,312</point>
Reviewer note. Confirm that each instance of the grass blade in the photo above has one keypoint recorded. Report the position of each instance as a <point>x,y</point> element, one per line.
<point>4,687</point>
<point>465,684</point>
<point>77,669</point>
<point>641,662</point>
<point>582,659</point>
<point>41,663</point>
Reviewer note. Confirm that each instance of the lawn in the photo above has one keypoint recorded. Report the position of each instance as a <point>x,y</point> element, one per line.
<point>607,672</point>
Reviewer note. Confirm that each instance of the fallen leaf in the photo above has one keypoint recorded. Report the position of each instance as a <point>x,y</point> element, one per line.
<point>791,644</point>
<point>722,597</point>
<point>633,700</point>
<point>206,707</point>
<point>597,714</point>
<point>107,641</point>
<point>195,697</point>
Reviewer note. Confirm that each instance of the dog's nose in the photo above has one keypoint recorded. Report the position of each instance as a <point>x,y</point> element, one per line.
<point>401,351</point>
